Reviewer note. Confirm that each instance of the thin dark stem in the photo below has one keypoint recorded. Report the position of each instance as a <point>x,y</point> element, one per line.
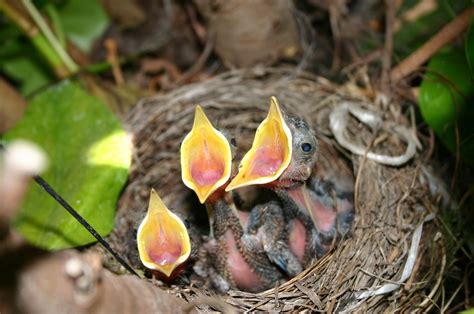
<point>83,222</point>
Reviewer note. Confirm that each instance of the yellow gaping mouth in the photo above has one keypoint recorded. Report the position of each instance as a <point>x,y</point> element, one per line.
<point>270,153</point>
<point>206,157</point>
<point>162,238</point>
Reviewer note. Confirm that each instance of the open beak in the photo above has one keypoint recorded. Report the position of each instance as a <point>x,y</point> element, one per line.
<point>206,157</point>
<point>270,153</point>
<point>162,239</point>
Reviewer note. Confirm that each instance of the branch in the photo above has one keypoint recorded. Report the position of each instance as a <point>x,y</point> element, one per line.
<point>447,34</point>
<point>387,52</point>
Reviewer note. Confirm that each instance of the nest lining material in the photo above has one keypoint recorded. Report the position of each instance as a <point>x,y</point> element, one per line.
<point>391,202</point>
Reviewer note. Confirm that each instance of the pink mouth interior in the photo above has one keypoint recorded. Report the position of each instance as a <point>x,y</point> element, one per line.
<point>208,176</point>
<point>206,169</point>
<point>166,250</point>
<point>267,161</point>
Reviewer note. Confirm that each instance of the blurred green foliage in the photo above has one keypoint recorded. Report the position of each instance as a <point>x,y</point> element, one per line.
<point>20,62</point>
<point>447,97</point>
<point>470,48</point>
<point>83,22</point>
<point>79,21</point>
<point>415,33</point>
<point>89,158</point>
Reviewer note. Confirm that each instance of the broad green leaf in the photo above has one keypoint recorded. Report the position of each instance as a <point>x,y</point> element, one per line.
<point>470,47</point>
<point>446,100</point>
<point>89,161</point>
<point>83,21</point>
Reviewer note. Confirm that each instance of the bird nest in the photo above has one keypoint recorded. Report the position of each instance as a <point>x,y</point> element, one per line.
<point>393,258</point>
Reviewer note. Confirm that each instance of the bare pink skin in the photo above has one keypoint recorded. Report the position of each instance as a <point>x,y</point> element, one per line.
<point>241,273</point>
<point>325,217</point>
<point>297,239</point>
<point>243,217</point>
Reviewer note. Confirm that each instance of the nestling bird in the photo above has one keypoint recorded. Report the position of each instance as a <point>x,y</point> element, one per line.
<point>314,187</point>
<point>238,258</point>
<point>162,238</point>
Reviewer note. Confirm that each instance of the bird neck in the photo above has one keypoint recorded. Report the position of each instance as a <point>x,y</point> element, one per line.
<point>284,184</point>
<point>226,218</point>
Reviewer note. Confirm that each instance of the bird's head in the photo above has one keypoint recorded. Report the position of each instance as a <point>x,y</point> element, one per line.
<point>283,152</point>
<point>162,238</point>
<point>304,155</point>
<point>206,157</point>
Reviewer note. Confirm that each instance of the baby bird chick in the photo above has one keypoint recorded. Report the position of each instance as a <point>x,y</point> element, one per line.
<point>237,258</point>
<point>316,197</point>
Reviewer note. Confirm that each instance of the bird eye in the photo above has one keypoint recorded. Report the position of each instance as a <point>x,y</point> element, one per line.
<point>233,142</point>
<point>306,147</point>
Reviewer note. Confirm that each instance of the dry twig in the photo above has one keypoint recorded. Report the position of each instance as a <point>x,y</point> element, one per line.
<point>447,34</point>
<point>387,52</point>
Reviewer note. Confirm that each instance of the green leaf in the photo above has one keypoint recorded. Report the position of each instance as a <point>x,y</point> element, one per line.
<point>89,161</point>
<point>446,97</point>
<point>83,21</point>
<point>470,47</point>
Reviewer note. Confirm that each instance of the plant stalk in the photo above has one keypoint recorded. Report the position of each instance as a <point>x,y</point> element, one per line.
<point>37,39</point>
<point>43,26</point>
